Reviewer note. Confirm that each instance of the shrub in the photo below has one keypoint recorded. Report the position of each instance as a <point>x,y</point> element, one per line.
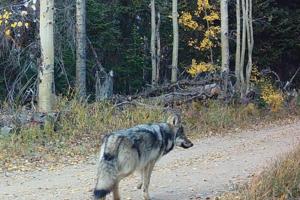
<point>269,94</point>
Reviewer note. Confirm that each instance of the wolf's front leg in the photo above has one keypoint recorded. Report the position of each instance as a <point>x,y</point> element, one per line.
<point>139,186</point>
<point>146,180</point>
<point>116,194</point>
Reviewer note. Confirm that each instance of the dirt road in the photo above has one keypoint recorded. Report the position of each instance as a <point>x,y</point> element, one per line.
<point>212,166</point>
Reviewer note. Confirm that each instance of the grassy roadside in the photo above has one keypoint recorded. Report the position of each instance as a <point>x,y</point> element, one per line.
<point>280,182</point>
<point>78,132</point>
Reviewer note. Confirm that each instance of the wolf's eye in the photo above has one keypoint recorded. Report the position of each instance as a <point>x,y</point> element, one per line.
<point>180,130</point>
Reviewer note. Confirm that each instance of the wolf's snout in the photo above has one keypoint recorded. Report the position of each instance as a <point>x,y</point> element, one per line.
<point>187,144</point>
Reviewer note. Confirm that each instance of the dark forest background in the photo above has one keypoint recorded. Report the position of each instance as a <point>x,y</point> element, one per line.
<point>119,32</point>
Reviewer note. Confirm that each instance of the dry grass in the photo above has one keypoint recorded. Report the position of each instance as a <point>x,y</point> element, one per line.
<point>280,182</point>
<point>214,117</point>
<point>78,132</point>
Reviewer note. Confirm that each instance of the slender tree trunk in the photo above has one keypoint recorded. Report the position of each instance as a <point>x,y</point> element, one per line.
<point>46,70</point>
<point>145,52</point>
<point>158,53</point>
<point>225,41</point>
<point>175,41</point>
<point>81,47</point>
<point>243,51</point>
<point>250,43</point>
<point>153,40</point>
<point>238,45</point>
<point>251,25</point>
<point>208,27</point>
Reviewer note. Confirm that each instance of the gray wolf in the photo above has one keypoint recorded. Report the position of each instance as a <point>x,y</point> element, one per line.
<point>136,149</point>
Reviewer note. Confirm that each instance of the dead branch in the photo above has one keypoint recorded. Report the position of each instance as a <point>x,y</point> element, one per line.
<point>291,80</point>
<point>177,96</point>
<point>101,68</point>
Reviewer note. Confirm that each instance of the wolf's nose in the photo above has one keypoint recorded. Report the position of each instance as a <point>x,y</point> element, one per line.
<point>96,194</point>
<point>190,145</point>
<point>100,193</point>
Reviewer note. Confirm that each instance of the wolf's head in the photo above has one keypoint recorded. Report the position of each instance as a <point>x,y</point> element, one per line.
<point>181,140</point>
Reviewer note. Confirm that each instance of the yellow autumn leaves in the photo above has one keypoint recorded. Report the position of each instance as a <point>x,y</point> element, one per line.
<point>4,17</point>
<point>201,67</point>
<point>7,24</point>
<point>209,31</point>
<point>269,94</point>
<point>212,16</point>
<point>19,24</point>
<point>273,97</point>
<point>187,20</point>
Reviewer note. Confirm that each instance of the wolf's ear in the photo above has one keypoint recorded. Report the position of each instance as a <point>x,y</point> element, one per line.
<point>174,120</point>
<point>103,137</point>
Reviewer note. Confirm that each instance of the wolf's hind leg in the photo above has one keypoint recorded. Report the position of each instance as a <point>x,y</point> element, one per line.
<point>116,193</point>
<point>146,180</point>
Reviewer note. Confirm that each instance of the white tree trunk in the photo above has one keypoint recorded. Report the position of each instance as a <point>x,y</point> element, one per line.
<point>247,43</point>
<point>46,70</point>
<point>158,54</point>
<point>153,40</point>
<point>81,47</point>
<point>175,41</point>
<point>225,41</point>
<point>250,43</point>
<point>243,51</point>
<point>238,45</point>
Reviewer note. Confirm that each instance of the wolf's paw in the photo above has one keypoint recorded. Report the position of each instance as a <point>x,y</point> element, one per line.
<point>139,186</point>
<point>146,196</point>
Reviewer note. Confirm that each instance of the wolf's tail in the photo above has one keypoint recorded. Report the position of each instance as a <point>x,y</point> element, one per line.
<point>108,167</point>
<point>106,180</point>
<point>100,193</point>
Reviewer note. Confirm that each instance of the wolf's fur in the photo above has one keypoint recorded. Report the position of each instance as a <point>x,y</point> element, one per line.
<point>138,148</point>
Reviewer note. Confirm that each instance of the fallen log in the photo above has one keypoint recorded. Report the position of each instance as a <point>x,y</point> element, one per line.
<point>172,98</point>
<point>188,95</point>
<point>168,88</point>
